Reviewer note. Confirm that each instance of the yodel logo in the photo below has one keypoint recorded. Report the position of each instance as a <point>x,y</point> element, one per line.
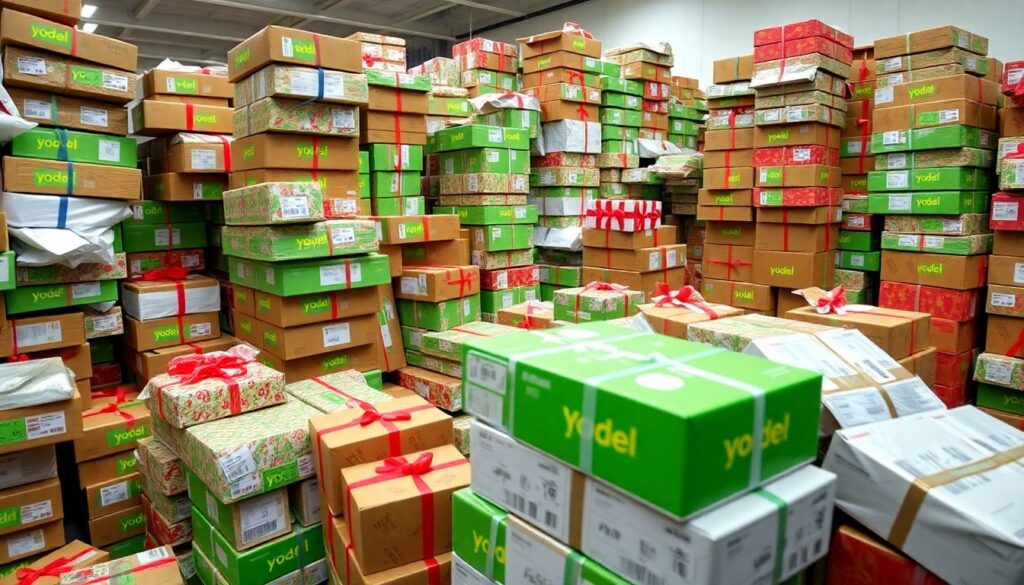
<point>604,433</point>
<point>933,268</point>
<point>334,362</point>
<point>306,151</point>
<point>929,177</point>
<point>135,521</point>
<point>928,202</point>
<point>273,478</point>
<point>120,437</point>
<point>48,295</point>
<point>316,306</point>
<point>243,56</point>
<point>743,295</point>
<point>286,557</point>
<point>51,34</point>
<point>311,242</point>
<point>50,178</point>
<point>778,136</point>
<point>921,91</point>
<point>198,119</point>
<point>270,337</point>
<point>47,143</point>
<point>165,333</point>
<point>774,433</point>
<point>482,545</point>
<point>782,270</point>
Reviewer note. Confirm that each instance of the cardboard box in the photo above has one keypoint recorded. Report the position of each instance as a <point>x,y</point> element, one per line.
<point>155,361</point>
<point>113,495</point>
<point>796,238</point>
<point>438,284</point>
<point>561,59</point>
<point>30,542</point>
<point>64,12</point>
<point>342,556</point>
<point>952,336</point>
<point>796,135</point>
<point>929,40</point>
<point>42,424</point>
<point>858,558</point>
<point>31,505</point>
<point>673,320</point>
<point>28,175</point>
<point>190,152</point>
<point>306,309</point>
<point>171,331</point>
<point>286,45</point>
<point>934,113</point>
<point>185,187</point>
<point>110,429</point>
<point>74,555</point>
<point>635,281</point>
<point>413,229</point>
<point>245,524</point>
<point>116,527</point>
<point>452,252</point>
<point>965,86</point>
<point>793,269</point>
<point>46,71</point>
<point>941,270</point>
<point>333,184</point>
<point>898,333</point>
<point>735,139</point>
<point>728,262</point>
<point>732,69</point>
<point>265,151</point>
<point>314,339</point>
<point>19,28</point>
<point>107,469</point>
<point>731,178</point>
<point>643,260</point>
<point>70,112</point>
<point>153,118</point>
<point>659,236</point>
<point>1003,334</point>
<point>734,233</point>
<point>557,41</point>
<point>363,358</point>
<point>186,84</point>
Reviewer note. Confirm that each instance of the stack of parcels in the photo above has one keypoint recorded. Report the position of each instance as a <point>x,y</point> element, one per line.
<point>625,244</point>
<point>39,406</point>
<point>229,470</point>
<point>562,185</point>
<point>997,370</point>
<point>484,183</point>
<point>942,488</point>
<point>862,383</point>
<point>800,73</point>
<point>651,65</point>
<point>66,186</point>
<point>681,178</point>
<point>73,555</point>
<point>621,114</point>
<point>686,115</point>
<point>487,66</point>
<point>381,52</point>
<point>932,140</point>
<point>724,203</point>
<point>857,263</point>
<point>564,482</point>
<point>393,459</point>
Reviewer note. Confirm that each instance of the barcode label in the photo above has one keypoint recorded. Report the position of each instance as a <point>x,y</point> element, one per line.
<point>149,556</point>
<point>27,543</point>
<point>33,334</point>
<point>1003,300</point>
<point>113,494</point>
<point>487,373</point>
<point>85,290</point>
<point>94,117</point>
<point>204,159</point>
<point>294,207</point>
<point>31,66</point>
<point>45,425</point>
<point>339,334</point>
<point>1005,211</point>
<point>199,330</point>
<point>856,407</point>
<point>110,150</point>
<point>343,235</point>
<point>260,519</point>
<point>236,464</point>
<point>36,109</point>
<point>115,82</point>
<point>912,396</point>
<point>639,573</point>
<point>35,512</point>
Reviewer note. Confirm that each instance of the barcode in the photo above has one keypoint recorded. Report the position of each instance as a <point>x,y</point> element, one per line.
<point>550,519</point>
<point>639,573</point>
<point>261,530</point>
<point>882,374</point>
<point>681,563</point>
<point>516,501</point>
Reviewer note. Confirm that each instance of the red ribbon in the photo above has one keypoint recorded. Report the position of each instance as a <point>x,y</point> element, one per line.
<point>115,408</point>
<point>527,322</point>
<point>190,111</point>
<point>685,297</point>
<point>605,287</point>
<point>865,135</point>
<point>192,369</point>
<point>730,263</point>
<point>518,97</point>
<point>54,569</point>
<point>176,274</point>
<point>1017,346</point>
<point>833,300</point>
<point>226,150</point>
<point>465,279</point>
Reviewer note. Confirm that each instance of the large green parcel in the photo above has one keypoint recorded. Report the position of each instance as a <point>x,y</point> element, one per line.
<point>733,421</point>
<point>310,276</point>
<point>69,145</point>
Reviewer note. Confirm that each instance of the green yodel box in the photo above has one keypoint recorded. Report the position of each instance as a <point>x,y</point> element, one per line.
<point>478,136</point>
<point>395,157</point>
<point>498,238</point>
<point>859,241</point>
<point>934,137</point>
<point>82,147</point>
<point>26,299</point>
<point>334,237</point>
<point>127,547</point>
<point>733,421</point>
<point>440,316</point>
<point>412,338</point>
<point>155,237</point>
<point>682,126</point>
<point>957,245</point>
<point>611,132</point>
<point>683,140</point>
<point>448,106</point>
<point>364,185</point>
<point>492,214</point>
<point>220,515</point>
<point>997,397</point>
<point>242,271</point>
<point>484,160</point>
<point>620,86</point>
<point>288,279</point>
<point>940,178</point>
<point>620,117</point>
<point>565,276</point>
<point>400,206</point>
<point>547,291</point>
<point>404,81</point>
<point>263,563</point>
<point>395,184</point>
<point>685,112</point>
<point>863,261</point>
<point>162,213</point>
<point>619,146</point>
<point>621,100</point>
<point>929,202</point>
<point>527,120</point>
<point>492,301</point>
<point>8,276</point>
<point>364,161</point>
<point>609,68</point>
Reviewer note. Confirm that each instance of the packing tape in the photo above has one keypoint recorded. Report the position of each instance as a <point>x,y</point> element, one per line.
<point>782,509</point>
<point>573,574</point>
<point>497,519</point>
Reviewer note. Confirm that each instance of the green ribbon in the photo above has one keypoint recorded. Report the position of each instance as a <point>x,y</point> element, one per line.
<point>780,536</point>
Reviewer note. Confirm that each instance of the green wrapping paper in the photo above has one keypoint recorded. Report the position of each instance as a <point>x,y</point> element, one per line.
<point>335,237</point>
<point>960,178</point>
<point>290,81</point>
<point>439,316</point>
<point>967,224</point>
<point>154,238</point>
<point>59,273</point>
<point>395,183</point>
<point>400,206</point>
<point>480,136</point>
<point>399,80</point>
<point>73,146</point>
<point>461,427</point>
<point>957,245</point>
<point>929,202</point>
<point>448,344</point>
<point>1000,370</point>
<point>525,120</point>
<point>861,241</point>
<point>252,453</point>
<point>849,260</point>
<point>272,203</point>
<point>25,299</point>
<point>295,116</point>
<point>932,138</point>
<point>927,159</point>
<point>478,200</point>
<point>412,338</point>
<point>582,304</point>
<point>335,392</point>
<point>314,276</point>
<point>161,212</point>
<point>161,466</point>
<point>499,238</point>
<point>495,260</point>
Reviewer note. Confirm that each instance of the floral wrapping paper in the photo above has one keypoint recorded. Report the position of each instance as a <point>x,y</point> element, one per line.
<point>162,467</point>
<point>400,80</point>
<point>803,46</point>
<point>613,190</point>
<point>966,224</point>
<point>169,436</point>
<point>797,196</point>
<point>498,260</point>
<point>290,81</point>
<point>1011,173</point>
<point>560,221</point>
<point>646,176</point>
<point>797,69</point>
<point>890,79</point>
<point>618,160</point>
<point>958,245</point>
<point>335,237</point>
<point>799,114</point>
<point>448,344</point>
<point>281,115</point>
<point>472,183</point>
<point>481,199</point>
<point>444,392</point>
<point>565,177</point>
<point>802,98</point>
<point>461,425</point>
<point>942,303</point>
<point>725,121</point>
<point>611,175</point>
<point>942,157</point>
<point>1000,370</point>
<point>854,279</point>
<point>173,508</point>
<point>801,30</point>
<point>339,391</point>
<point>639,52</point>
<point>441,71</point>
<point>735,333</point>
<point>434,364</point>
<point>798,155</point>
<point>737,89</point>
<point>509,278</point>
<point>595,305</point>
<point>59,273</point>
<point>230,454</point>
<point>564,159</point>
<point>274,203</point>
<point>165,531</point>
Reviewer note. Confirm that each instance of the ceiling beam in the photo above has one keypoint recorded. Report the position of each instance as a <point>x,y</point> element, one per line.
<point>144,9</point>
<point>173,30</point>
<point>325,8</point>
<point>488,7</point>
<point>425,13</point>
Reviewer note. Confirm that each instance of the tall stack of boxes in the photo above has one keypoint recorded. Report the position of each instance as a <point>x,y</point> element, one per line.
<point>620,114</point>
<point>933,140</point>
<point>687,110</point>
<point>652,66</point>
<point>381,52</point>
<point>800,74</point>
<point>487,66</point>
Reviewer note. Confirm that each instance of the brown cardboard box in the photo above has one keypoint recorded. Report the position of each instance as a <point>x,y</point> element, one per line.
<point>153,118</point>
<point>113,495</point>
<point>5,244</point>
<point>855,183</point>
<point>394,254</point>
<point>184,186</point>
<point>796,135</point>
<point>799,176</point>
<point>564,110</point>
<point>735,101</point>
<point>50,177</point>
<point>647,72</point>
<point>794,269</point>
<point>438,283</point>
<point>736,178</point>
<point>732,69</point>
<point>387,121</point>
<point>660,236</point>
<point>728,158</point>
<point>42,333</point>
<point>116,527</point>
<point>800,215</point>
<point>929,40</point>
<point>922,364</point>
<point>33,541</point>
<point>1011,122</point>
<point>42,424</point>
<point>744,295</point>
<point>64,11</point>
<point>735,233</point>
<point>738,139</point>
<point>27,30</point>
<point>899,333</point>
<point>787,301</point>
<point>653,259</point>
<point>362,358</point>
<point>1002,335</point>
<point>317,338</point>
<point>196,101</point>
<point>1005,300</point>
<point>418,228</point>
<point>643,282</point>
<point>942,270</point>
<point>857,166</point>
<point>725,197</point>
<point>962,86</point>
<point>186,85</point>
<point>387,516</point>
<point>171,331</point>
<point>333,184</point>
<point>390,350</point>
<point>54,73</point>
<point>727,262</point>
<point>190,152</point>
<point>70,112</point>
<point>74,555</point>
<point>558,75</point>
<point>673,321</point>
<point>343,561</point>
<point>77,359</point>
<point>105,469</point>
<point>454,252</point>
<point>314,308</point>
<point>288,151</point>
<point>105,433</point>
<point>153,362</point>
<point>30,505</point>
<point>797,238</point>
<point>1008,243</point>
<point>557,91</point>
<point>516,315</point>
<point>950,336</point>
<point>269,510</point>
<point>298,47</point>
<point>558,40</point>
<point>649,120</point>
<point>248,329</point>
<point>556,60</point>
<point>391,137</point>
<point>1006,270</point>
<point>924,115</point>
<point>304,498</point>
<point>390,99</point>
<point>336,445</point>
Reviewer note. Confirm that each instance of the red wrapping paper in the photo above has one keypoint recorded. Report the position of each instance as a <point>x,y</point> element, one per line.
<point>655,106</point>
<point>1012,82</point>
<point>797,196</point>
<point>509,277</point>
<point>508,64</point>
<point>564,159</point>
<point>485,46</point>
<point>800,30</point>
<point>953,369</point>
<point>804,46</point>
<point>1007,212</point>
<point>796,155</point>
<point>857,558</point>
<point>943,303</point>
<point>858,222</point>
<point>951,396</point>
<point>105,374</point>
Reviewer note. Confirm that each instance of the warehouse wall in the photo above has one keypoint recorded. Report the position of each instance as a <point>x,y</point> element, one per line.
<point>701,31</point>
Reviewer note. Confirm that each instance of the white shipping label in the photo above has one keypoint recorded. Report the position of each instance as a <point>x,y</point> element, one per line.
<point>110,150</point>
<point>908,241</point>
<point>199,330</point>
<point>211,507</point>
<point>933,242</point>
<point>857,260</point>
<point>343,235</point>
<point>495,135</point>
<point>891,64</point>
<point>36,511</point>
<point>169,84</point>
<point>1018,272</point>
<point>897,179</point>
<point>25,543</point>
<point>492,155</point>
<point>151,556</point>
<point>4,269</point>
<point>857,407</point>
<point>858,350</point>
<point>338,334</point>
<point>1005,210</point>
<point>85,290</point>
<point>33,334</point>
<point>31,66</point>
<point>385,335</point>
<point>883,95</point>
<point>670,258</point>
<point>165,237</point>
<point>530,561</point>
<point>94,117</point>
<point>45,425</point>
<point>893,137</point>
<point>36,109</point>
<point>653,261</point>
<point>311,493</point>
<point>1006,301</point>
<point>334,86</point>
<point>473,183</point>
<point>286,47</point>
<point>409,285</point>
<point>269,275</point>
<point>501,280</point>
<point>237,464</point>
<point>912,396</point>
<point>949,116</point>
<point>804,154</point>
<point>303,82</point>
<point>1014,76</point>
<point>294,207</point>
<point>189,260</point>
<point>113,494</point>
<point>203,159</point>
<point>855,221</point>
<point>853,147</point>
<point>998,372</point>
<point>772,115</point>
<point>530,295</point>
<point>488,381</point>
<point>115,82</point>
<point>899,203</point>
<point>463,574</point>
<point>506,302</point>
<point>260,518</point>
<point>344,118</point>
<point>467,307</point>
<point>952,226</point>
<point>411,208</point>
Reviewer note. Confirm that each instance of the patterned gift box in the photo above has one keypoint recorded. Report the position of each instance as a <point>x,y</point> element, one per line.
<point>855,203</point>
<point>451,368</point>
<point>797,196</point>
<point>798,114</point>
<point>966,224</point>
<point>477,200</point>
<point>164,530</point>
<point>238,385</point>
<point>509,278</point>
<point>926,159</point>
<point>336,237</point>
<point>959,245</point>
<point>1011,173</point>
<point>890,79</point>
<point>1000,370</point>
<point>174,508</point>
<point>1007,145</point>
<point>797,69</point>
<point>448,344</point>
<point>645,176</point>
<point>498,260</point>
<point>272,203</point>
<point>441,71</point>
<point>192,260</point>
<point>618,160</point>
<point>399,80</point>
<point>800,30</point>
<point>461,425</point>
<point>821,81</point>
<point>729,121</point>
<point>290,81</point>
<point>796,155</point>
<point>161,466</point>
<point>484,183</point>
<point>802,98</point>
<point>740,88</point>
<point>560,221</point>
<point>337,391</point>
<point>965,60</point>
<point>942,303</point>
<point>854,279</point>
<point>624,215</point>
<point>735,333</point>
<point>252,453</point>
<point>565,276</point>
<point>600,302</point>
<point>565,177</point>
<point>59,273</point>
<point>444,392</point>
<point>803,46</point>
<point>283,115</point>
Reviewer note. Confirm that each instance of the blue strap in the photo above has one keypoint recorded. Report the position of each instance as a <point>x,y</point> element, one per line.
<point>62,144</point>
<point>62,213</point>
<point>71,179</point>
<point>319,87</point>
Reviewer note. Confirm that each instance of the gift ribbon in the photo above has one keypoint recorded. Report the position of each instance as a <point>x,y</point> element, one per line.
<point>115,408</point>
<point>686,297</point>
<point>600,286</point>
<point>865,134</point>
<point>176,274</point>
<point>729,263</point>
<point>53,569</point>
<point>133,570</point>
<point>190,116</point>
<point>226,151</point>
<point>196,368</point>
<point>528,321</point>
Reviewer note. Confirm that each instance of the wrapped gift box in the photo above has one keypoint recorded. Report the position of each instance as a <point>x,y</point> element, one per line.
<point>312,276</point>
<point>164,530</point>
<point>673,320</point>
<point>289,81</point>
<point>858,558</point>
<point>441,390</point>
<point>269,203</point>
<point>441,315</point>
<point>598,303</point>
<point>623,215</point>
<point>337,391</point>
<point>448,344</point>
<point>161,466</point>
<point>499,260</point>
<point>334,237</point>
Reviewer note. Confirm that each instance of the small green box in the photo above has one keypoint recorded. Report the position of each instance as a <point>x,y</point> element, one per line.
<point>492,301</point>
<point>940,178</point>
<point>547,291</point>
<point>498,238</point>
<point>685,112</point>
<point>156,212</point>
<point>526,120</point>
<point>860,296</point>
<point>858,241</point>
<point>619,146</point>
<point>80,147</point>
<point>929,202</point>
<point>395,157</point>
<point>956,245</point>
<point>395,184</point>
<point>619,117</point>
<point>400,206</point>
<point>621,100</point>
<point>404,81</point>
<point>439,316</point>
<point>448,106</point>
<point>364,161</point>
<point>364,185</point>
<point>492,214</point>
<point>864,261</point>
<point>999,398</point>
<point>26,299</point>
<point>478,135</point>
<point>8,276</point>
<point>683,127</point>
<point>610,68</point>
<point>484,160</point>
<point>155,237</point>
<point>563,276</point>
<point>288,279</point>
<point>612,132</point>
<point>930,138</point>
<point>621,86</point>
<point>475,521</point>
<point>579,305</point>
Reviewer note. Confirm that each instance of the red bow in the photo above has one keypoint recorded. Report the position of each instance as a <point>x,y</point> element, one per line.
<point>604,286</point>
<point>399,466</point>
<point>18,358</point>
<point>664,296</point>
<point>121,397</point>
<point>833,301</point>
<point>55,568</point>
<point>572,27</point>
<point>371,415</point>
<point>528,322</point>
<point>192,369</point>
<point>610,216</point>
<point>1017,152</point>
<point>170,273</point>
<point>369,60</point>
<point>518,98</point>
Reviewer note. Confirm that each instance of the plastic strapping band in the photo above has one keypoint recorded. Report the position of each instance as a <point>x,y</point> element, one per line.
<point>496,521</point>
<point>62,144</point>
<point>62,212</point>
<point>71,179</point>
<point>780,534</point>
